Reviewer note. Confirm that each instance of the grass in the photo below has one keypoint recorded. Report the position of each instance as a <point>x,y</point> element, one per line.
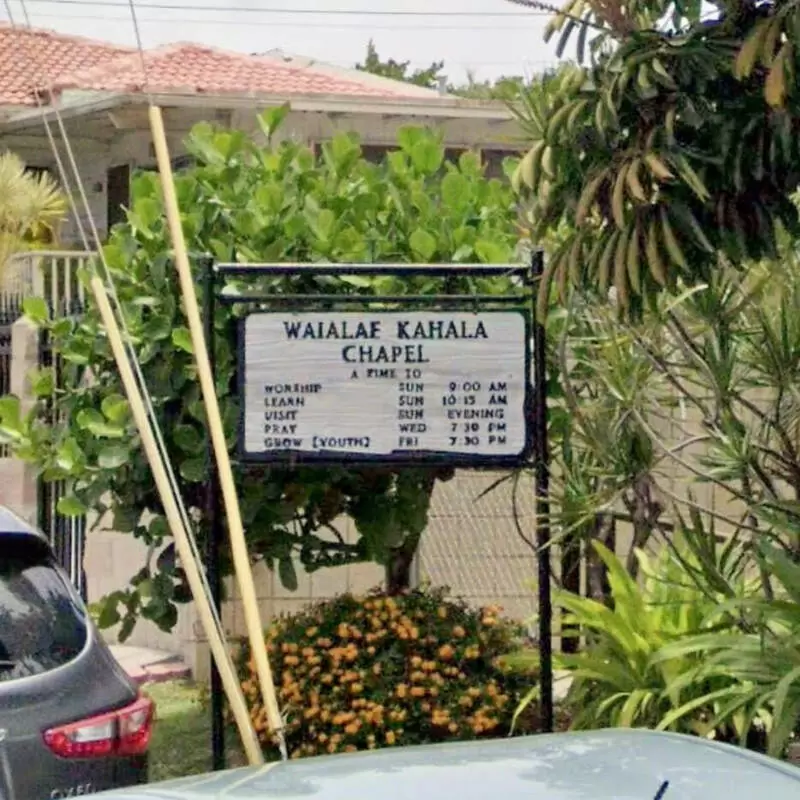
<point>181,743</point>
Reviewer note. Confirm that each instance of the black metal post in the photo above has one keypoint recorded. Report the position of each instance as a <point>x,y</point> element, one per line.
<point>541,457</point>
<point>214,537</point>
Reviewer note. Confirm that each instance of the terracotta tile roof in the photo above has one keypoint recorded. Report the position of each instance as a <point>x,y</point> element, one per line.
<point>193,68</point>
<point>30,57</point>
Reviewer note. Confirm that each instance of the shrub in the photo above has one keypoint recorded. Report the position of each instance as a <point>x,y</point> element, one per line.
<point>636,669</point>
<point>357,673</point>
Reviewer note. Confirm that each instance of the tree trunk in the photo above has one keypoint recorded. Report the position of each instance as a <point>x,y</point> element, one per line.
<point>597,586</point>
<point>645,511</point>
<point>571,548</point>
<point>401,559</point>
<point>398,567</point>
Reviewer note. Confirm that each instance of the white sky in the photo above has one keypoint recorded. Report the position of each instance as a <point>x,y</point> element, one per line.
<point>488,37</point>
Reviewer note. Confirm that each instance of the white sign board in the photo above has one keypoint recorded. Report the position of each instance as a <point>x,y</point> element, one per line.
<point>386,386</point>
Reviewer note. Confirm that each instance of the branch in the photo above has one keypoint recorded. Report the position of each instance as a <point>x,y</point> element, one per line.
<point>672,453</point>
<point>515,514</point>
<point>738,524</point>
<point>664,369</point>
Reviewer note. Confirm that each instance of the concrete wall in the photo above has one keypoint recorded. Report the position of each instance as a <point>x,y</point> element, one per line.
<point>17,479</point>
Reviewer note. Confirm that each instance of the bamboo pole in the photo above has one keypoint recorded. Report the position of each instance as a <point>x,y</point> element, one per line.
<point>226,669</point>
<point>241,559</point>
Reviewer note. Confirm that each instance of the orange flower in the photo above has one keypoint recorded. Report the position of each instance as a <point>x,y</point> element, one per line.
<point>446,652</point>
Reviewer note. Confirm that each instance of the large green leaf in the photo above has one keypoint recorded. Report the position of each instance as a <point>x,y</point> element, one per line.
<point>423,244</point>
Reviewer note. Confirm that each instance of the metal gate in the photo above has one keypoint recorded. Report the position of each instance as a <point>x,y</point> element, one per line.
<point>67,535</point>
<point>7,318</point>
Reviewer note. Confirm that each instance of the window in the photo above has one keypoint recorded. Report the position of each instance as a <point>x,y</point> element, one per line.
<point>452,154</point>
<point>118,194</point>
<point>37,171</point>
<point>375,153</point>
<point>43,625</point>
<point>180,163</point>
<point>493,161</point>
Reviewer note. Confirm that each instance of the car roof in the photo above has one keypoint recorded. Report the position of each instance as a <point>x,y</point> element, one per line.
<point>598,765</point>
<point>13,524</point>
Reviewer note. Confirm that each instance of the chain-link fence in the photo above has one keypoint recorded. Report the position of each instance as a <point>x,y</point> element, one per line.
<point>480,541</point>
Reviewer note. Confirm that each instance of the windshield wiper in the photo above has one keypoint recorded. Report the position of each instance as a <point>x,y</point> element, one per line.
<point>662,790</point>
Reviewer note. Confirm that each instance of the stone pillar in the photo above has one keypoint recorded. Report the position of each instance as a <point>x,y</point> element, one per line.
<point>18,488</point>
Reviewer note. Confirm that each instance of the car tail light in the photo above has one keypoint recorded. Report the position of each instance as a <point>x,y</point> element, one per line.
<point>125,732</point>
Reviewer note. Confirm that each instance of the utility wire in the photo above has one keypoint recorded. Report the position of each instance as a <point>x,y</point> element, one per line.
<point>304,24</point>
<point>542,62</point>
<point>322,12</point>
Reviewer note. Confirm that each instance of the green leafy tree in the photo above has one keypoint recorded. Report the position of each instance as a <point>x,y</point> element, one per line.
<point>671,144</point>
<point>505,88</point>
<point>683,424</point>
<point>508,88</point>
<point>244,202</point>
<point>429,77</point>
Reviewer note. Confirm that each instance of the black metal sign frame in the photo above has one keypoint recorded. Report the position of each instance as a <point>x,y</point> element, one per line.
<point>535,401</point>
<point>327,303</point>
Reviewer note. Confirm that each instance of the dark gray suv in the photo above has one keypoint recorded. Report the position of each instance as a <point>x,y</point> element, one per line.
<point>71,721</point>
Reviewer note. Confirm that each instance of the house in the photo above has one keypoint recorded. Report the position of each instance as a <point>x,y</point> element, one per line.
<point>102,92</point>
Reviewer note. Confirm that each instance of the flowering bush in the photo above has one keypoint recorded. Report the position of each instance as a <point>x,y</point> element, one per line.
<point>358,673</point>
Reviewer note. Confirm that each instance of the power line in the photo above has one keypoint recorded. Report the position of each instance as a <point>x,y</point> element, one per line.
<point>519,64</point>
<point>304,24</point>
<point>325,12</point>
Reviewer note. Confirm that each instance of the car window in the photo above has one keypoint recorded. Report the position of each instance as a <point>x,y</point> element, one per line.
<point>43,624</point>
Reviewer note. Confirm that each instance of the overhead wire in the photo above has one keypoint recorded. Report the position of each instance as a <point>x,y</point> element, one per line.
<point>126,338</point>
<point>321,12</point>
<point>305,24</point>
